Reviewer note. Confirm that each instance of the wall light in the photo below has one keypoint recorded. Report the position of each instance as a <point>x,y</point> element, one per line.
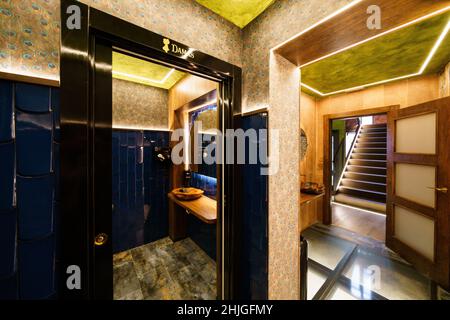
<point>420,72</point>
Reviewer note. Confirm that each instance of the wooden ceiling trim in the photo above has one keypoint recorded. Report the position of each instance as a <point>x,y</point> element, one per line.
<point>350,27</point>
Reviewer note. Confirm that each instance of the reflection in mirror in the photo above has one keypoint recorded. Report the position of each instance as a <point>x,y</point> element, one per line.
<point>206,120</point>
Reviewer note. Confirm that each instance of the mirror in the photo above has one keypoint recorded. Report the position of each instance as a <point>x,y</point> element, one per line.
<point>207,121</point>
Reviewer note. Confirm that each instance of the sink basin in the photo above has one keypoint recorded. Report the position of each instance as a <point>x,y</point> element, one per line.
<point>187,194</point>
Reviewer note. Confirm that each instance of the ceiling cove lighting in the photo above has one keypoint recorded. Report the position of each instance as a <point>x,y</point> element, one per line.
<point>318,23</point>
<point>132,76</point>
<point>430,15</point>
<point>420,72</point>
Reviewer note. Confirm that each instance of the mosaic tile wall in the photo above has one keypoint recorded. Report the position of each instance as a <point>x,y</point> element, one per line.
<point>29,38</point>
<point>279,22</point>
<point>29,197</point>
<point>139,106</point>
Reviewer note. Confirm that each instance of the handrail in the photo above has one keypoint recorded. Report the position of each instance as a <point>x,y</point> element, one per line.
<point>339,170</point>
<point>347,158</point>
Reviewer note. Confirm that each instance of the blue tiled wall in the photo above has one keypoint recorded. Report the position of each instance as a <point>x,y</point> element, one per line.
<point>206,183</point>
<point>254,212</point>
<point>29,164</point>
<point>203,168</point>
<point>140,187</point>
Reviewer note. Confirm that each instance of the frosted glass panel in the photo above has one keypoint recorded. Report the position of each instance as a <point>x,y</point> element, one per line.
<point>412,180</point>
<point>415,230</point>
<point>416,134</point>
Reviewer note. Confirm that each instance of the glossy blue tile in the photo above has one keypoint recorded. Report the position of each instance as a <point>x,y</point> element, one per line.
<point>8,240</point>
<point>7,164</point>
<point>6,111</point>
<point>57,229</point>
<point>123,164</point>
<point>254,208</point>
<point>33,143</point>
<point>56,169</point>
<point>35,206</point>
<point>9,288</point>
<point>32,98</point>
<point>132,138</point>
<point>55,106</point>
<point>140,139</point>
<point>37,266</point>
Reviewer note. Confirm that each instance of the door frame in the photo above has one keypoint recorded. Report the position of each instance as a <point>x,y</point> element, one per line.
<point>86,127</point>
<point>327,174</point>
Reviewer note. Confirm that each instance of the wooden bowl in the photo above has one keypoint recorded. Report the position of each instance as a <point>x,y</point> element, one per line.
<point>187,194</point>
<point>311,188</point>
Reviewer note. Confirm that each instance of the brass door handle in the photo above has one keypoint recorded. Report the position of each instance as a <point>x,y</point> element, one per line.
<point>101,239</point>
<point>443,189</point>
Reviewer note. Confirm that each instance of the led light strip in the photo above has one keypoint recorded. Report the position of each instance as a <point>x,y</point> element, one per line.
<point>357,208</point>
<point>379,35</point>
<point>132,76</point>
<point>420,72</point>
<point>318,23</point>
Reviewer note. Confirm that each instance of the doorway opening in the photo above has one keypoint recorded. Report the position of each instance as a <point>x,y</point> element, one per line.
<point>164,247</point>
<point>375,176</point>
<point>121,111</point>
<point>358,153</point>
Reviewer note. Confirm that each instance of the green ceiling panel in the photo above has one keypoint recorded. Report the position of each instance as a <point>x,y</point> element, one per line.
<point>239,12</point>
<point>394,55</point>
<point>144,72</point>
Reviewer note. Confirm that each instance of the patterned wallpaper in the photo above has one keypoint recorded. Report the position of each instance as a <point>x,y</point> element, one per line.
<point>29,37</point>
<point>139,106</point>
<point>279,22</point>
<point>29,30</point>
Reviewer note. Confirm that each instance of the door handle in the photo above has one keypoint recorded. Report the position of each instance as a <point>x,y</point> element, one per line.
<point>443,189</point>
<point>101,239</point>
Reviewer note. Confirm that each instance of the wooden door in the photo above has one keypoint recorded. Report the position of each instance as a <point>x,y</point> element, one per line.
<point>418,206</point>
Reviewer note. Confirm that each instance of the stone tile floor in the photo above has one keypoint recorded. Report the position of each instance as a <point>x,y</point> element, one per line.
<point>164,270</point>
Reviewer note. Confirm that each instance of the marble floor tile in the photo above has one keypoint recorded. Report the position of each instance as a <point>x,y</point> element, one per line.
<point>121,258</point>
<point>164,270</point>
<point>125,280</point>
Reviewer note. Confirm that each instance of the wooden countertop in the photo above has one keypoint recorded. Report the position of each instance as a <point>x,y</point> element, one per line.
<point>203,208</point>
<point>307,197</point>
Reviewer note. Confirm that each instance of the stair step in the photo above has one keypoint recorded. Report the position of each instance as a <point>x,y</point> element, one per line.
<point>369,156</point>
<point>366,169</point>
<point>368,163</point>
<point>371,139</point>
<point>375,129</point>
<point>370,150</point>
<point>364,185</point>
<point>375,125</point>
<point>365,194</point>
<point>371,144</point>
<point>372,205</point>
<point>365,176</point>
<point>374,133</point>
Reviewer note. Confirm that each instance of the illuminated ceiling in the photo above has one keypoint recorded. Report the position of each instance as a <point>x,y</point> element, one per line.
<point>421,48</point>
<point>144,72</point>
<point>239,12</point>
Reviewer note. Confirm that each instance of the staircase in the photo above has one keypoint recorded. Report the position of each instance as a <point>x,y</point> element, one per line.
<point>364,181</point>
